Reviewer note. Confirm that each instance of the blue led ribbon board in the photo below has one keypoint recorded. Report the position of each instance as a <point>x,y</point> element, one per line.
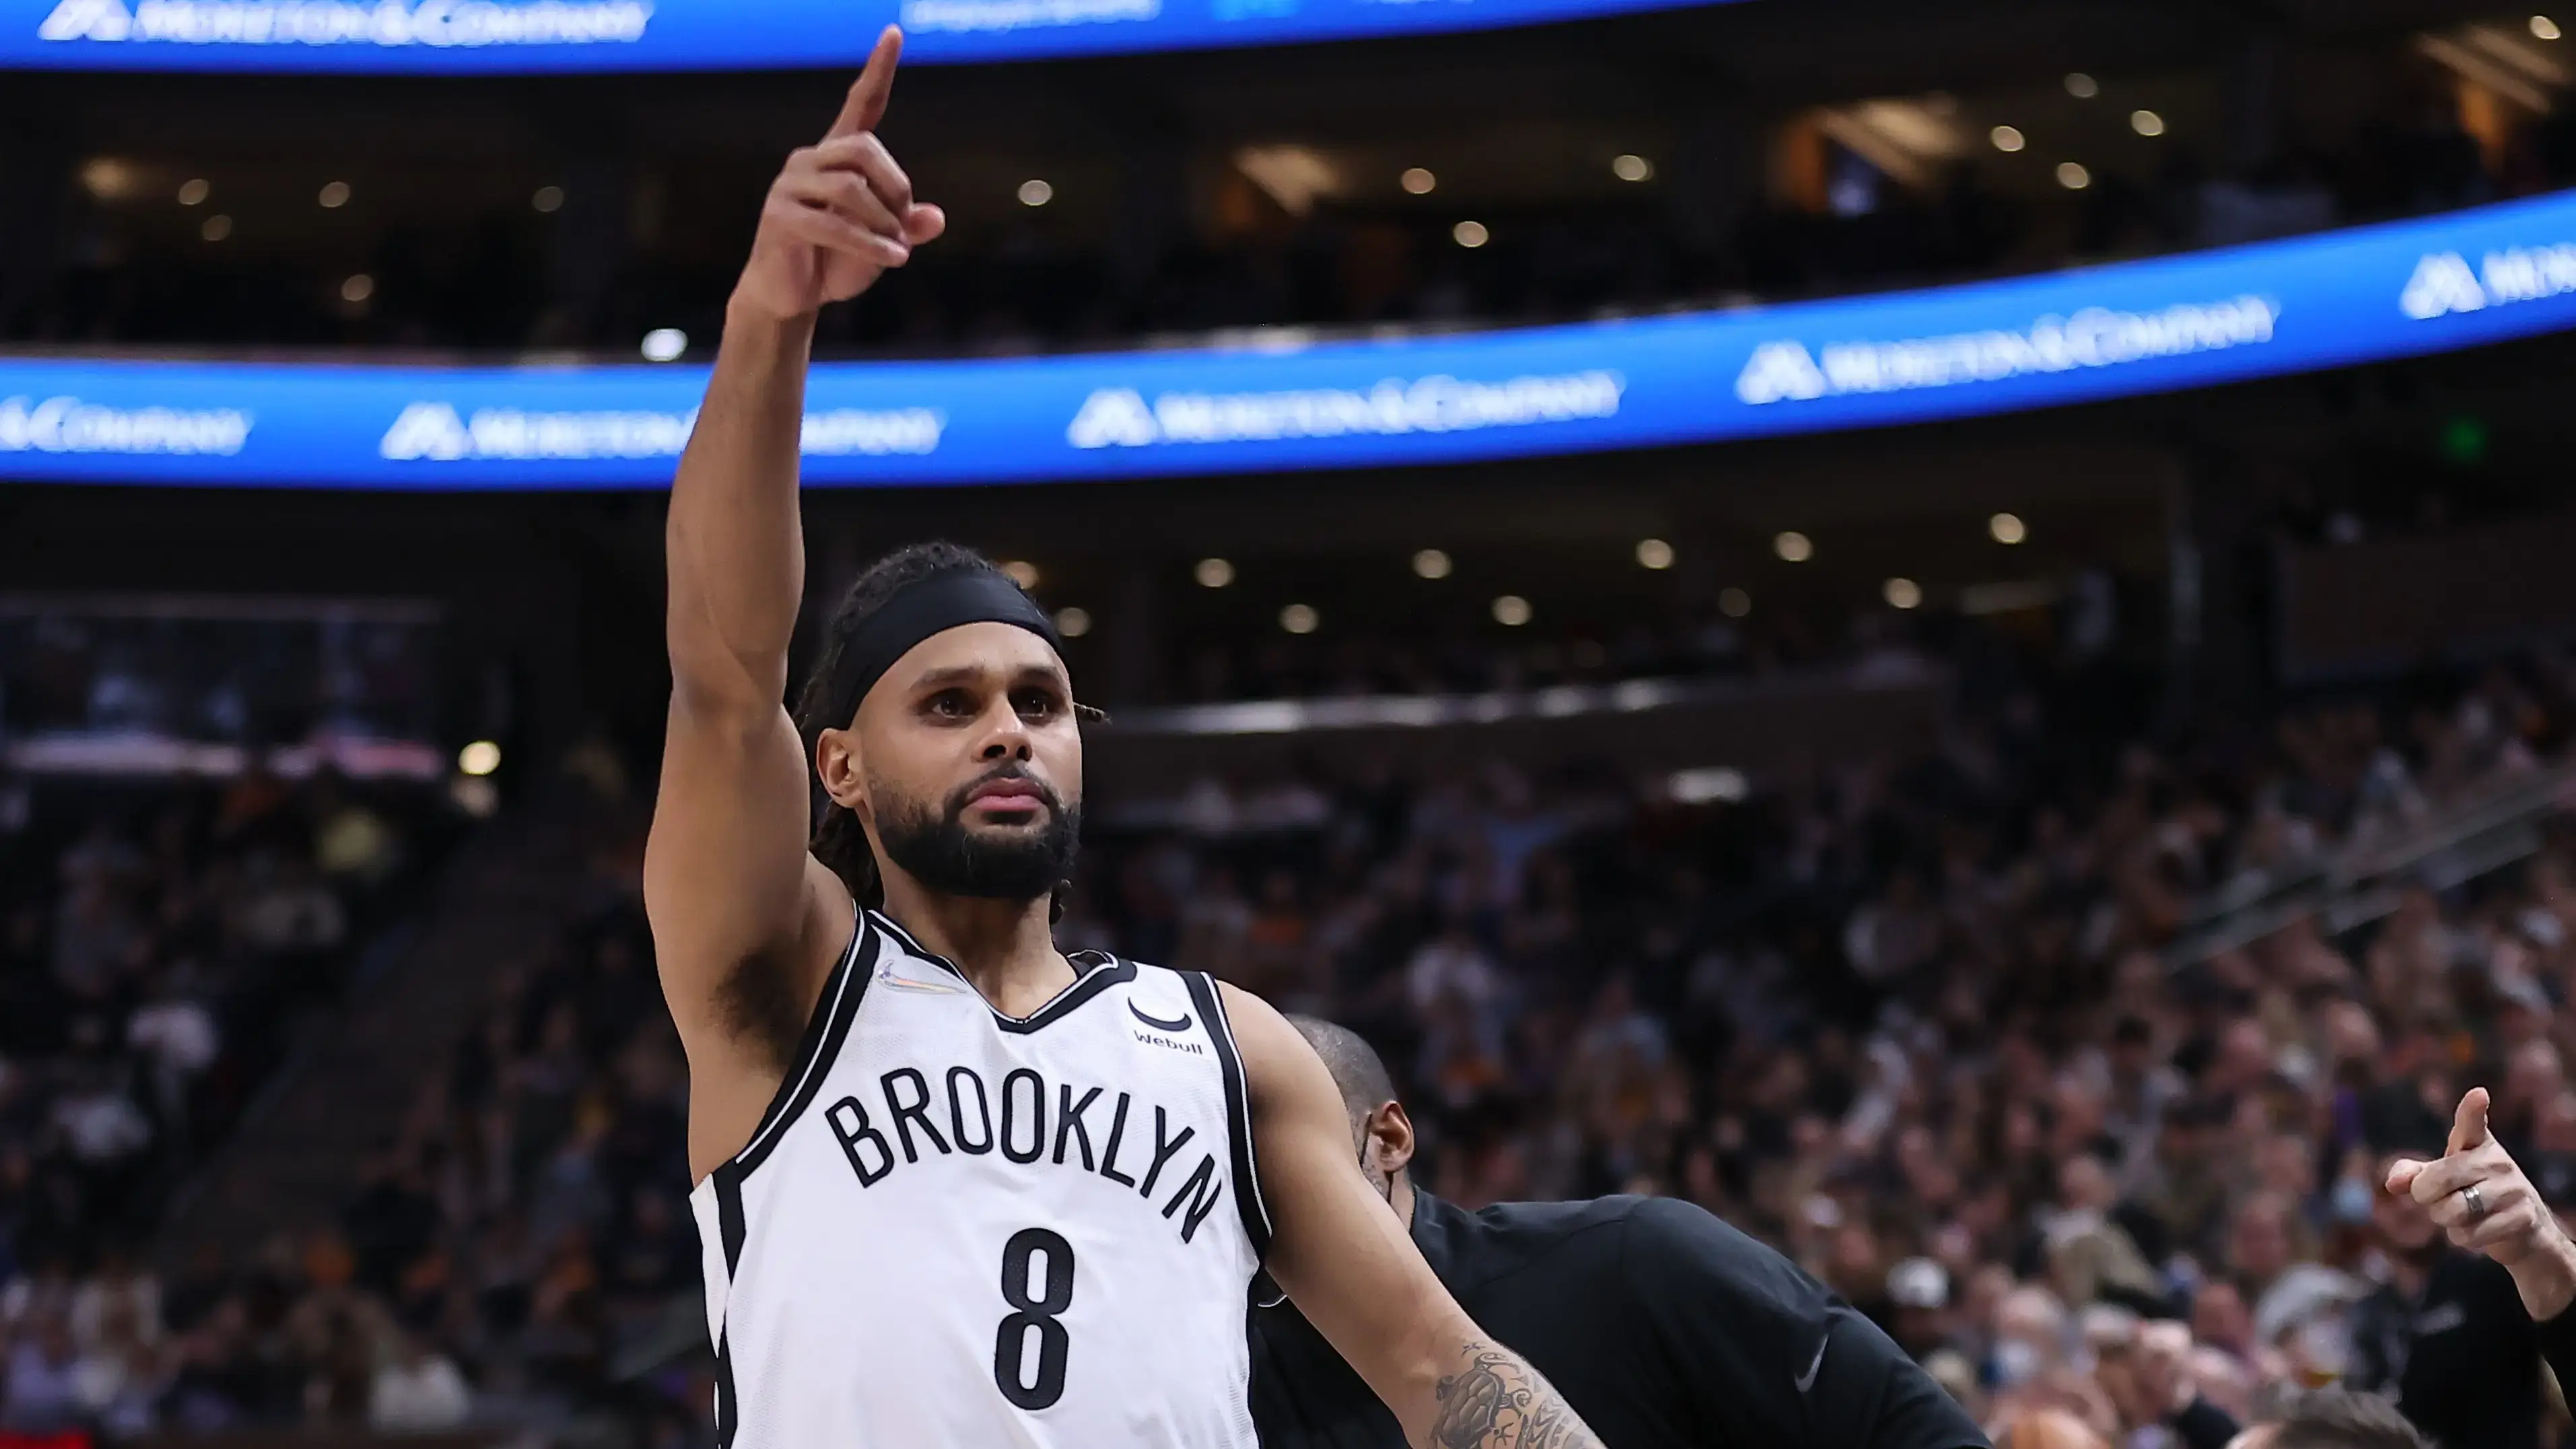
<point>461,37</point>
<point>2460,280</point>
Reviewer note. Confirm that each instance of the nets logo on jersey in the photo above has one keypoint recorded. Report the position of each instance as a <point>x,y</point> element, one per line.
<point>965,1115</point>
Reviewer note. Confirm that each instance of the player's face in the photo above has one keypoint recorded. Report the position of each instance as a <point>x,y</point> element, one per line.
<point>968,764</point>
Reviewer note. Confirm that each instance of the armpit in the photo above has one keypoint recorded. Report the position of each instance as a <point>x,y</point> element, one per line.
<point>759,1008</point>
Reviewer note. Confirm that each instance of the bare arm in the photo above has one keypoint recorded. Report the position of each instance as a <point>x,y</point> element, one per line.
<point>745,923</point>
<point>1354,1272</point>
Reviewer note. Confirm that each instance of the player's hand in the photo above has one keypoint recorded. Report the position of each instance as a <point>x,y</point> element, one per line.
<point>2515,1227</point>
<point>841,212</point>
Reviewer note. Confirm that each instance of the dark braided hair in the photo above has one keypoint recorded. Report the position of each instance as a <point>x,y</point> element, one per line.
<point>838,841</point>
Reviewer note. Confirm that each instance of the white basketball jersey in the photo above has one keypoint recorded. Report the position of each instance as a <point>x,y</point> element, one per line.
<point>957,1228</point>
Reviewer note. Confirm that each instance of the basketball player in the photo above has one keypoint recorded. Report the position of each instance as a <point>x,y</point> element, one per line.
<point>957,1189</point>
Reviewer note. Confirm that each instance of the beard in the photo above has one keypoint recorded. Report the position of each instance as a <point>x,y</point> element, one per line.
<point>935,847</point>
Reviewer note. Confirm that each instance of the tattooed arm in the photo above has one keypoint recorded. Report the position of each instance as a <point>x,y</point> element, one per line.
<point>1496,1399</point>
<point>1355,1274</point>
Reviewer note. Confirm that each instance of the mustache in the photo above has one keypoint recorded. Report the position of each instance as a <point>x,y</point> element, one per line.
<point>1014,772</point>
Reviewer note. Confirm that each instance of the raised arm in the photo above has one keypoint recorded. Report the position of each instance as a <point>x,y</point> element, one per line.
<point>745,923</point>
<point>1352,1270</point>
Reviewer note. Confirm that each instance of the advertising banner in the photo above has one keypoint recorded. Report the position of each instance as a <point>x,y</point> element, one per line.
<point>2368,294</point>
<point>458,37</point>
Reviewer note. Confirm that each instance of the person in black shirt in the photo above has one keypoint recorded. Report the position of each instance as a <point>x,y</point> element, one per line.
<point>2501,1292</point>
<point>2445,1339</point>
<point>1662,1326</point>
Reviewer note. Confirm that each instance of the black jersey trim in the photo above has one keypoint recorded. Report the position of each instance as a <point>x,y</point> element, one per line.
<point>824,1033</point>
<point>728,1405</point>
<point>1099,971</point>
<point>1109,971</point>
<point>1238,1110</point>
<point>893,928</point>
<point>730,1222</point>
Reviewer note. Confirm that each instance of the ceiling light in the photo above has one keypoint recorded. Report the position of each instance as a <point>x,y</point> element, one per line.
<point>1214,573</point>
<point>2082,87</point>
<point>2006,528</point>
<point>2008,138</point>
<point>1298,619</point>
<point>1432,563</point>
<point>665,344</point>
<point>358,288</point>
<point>1073,623</point>
<point>1293,176</point>
<point>107,179</point>
<point>1632,168</point>
<point>1022,572</point>
<point>1511,611</point>
<point>194,192</point>
<point>1902,593</point>
<point>479,758</point>
<point>1794,547</point>
<point>2073,176</point>
<point>548,199</point>
<point>1654,553</point>
<point>1418,181</point>
<point>2544,28</point>
<point>216,228</point>
<point>1712,786</point>
<point>1470,234</point>
<point>2146,123</point>
<point>1734,603</point>
<point>1034,192</point>
<point>334,195</point>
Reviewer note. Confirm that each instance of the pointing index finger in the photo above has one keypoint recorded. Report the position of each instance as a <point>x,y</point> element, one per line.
<point>866,104</point>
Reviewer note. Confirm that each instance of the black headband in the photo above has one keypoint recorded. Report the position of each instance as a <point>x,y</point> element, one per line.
<point>919,609</point>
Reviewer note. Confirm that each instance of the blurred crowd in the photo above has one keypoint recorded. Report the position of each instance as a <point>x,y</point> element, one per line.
<point>1036,282</point>
<point>1932,1025</point>
<point>134,673</point>
<point>163,949</point>
<point>1408,658</point>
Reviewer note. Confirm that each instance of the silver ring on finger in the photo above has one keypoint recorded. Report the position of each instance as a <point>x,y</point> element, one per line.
<point>2476,1201</point>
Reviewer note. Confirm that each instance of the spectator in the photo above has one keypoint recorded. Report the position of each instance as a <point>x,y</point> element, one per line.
<point>43,1394</point>
<point>2446,1337</point>
<point>416,1390</point>
<point>2334,1419</point>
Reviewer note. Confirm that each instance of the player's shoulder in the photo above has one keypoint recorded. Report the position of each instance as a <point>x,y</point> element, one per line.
<point>1505,1238</point>
<point>1623,1225</point>
<point>1680,1245</point>
<point>1546,1220</point>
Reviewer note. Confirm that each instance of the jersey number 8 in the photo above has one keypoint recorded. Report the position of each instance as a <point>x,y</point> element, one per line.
<point>1010,1341</point>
